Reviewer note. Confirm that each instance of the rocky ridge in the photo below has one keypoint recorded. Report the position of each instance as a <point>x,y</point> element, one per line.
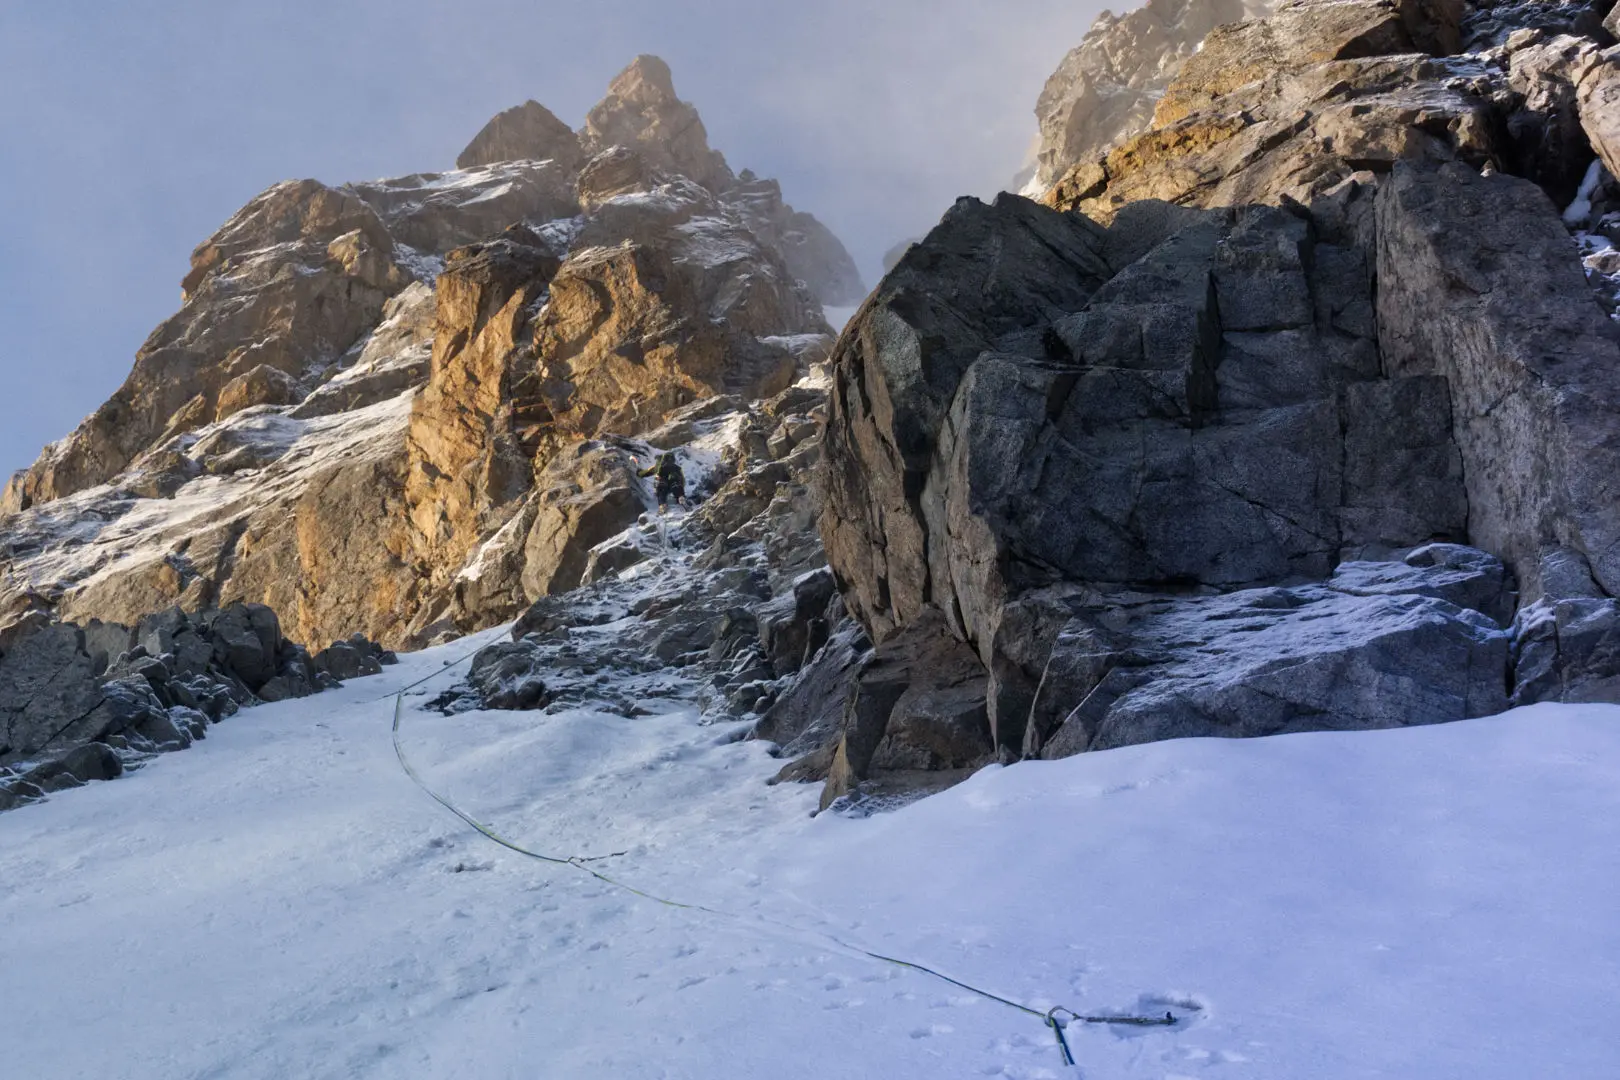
<point>85,703</point>
<point>381,408</point>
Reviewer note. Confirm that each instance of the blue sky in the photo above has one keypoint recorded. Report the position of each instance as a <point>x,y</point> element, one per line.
<point>130,130</point>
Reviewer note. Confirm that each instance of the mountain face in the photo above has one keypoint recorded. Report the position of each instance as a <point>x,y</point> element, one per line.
<point>1291,407</point>
<point>368,385</point>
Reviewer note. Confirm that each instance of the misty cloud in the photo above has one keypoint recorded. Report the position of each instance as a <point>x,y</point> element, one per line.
<point>127,138</point>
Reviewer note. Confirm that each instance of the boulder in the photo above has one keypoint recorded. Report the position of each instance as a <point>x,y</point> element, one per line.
<point>166,730</point>
<point>917,703</point>
<point>507,676</point>
<point>1566,645</point>
<point>243,649</point>
<point>585,498</point>
<point>610,558</point>
<point>1567,650</point>
<point>342,660</point>
<point>49,696</point>
<point>1269,661</point>
<point>545,615</point>
<point>793,628</point>
<point>264,385</point>
<point>105,642</point>
<point>806,720</point>
<point>940,727</point>
<point>82,765</point>
<point>1488,26</point>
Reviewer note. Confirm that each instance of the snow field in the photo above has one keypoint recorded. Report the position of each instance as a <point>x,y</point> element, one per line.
<point>282,901</point>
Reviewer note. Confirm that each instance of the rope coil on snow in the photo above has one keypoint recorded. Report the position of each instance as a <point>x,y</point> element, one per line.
<point>1049,1018</point>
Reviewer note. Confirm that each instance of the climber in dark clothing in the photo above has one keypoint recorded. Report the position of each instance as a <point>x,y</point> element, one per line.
<point>670,482</point>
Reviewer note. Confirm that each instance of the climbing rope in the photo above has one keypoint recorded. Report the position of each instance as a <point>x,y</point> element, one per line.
<point>1051,1018</point>
<point>450,666</point>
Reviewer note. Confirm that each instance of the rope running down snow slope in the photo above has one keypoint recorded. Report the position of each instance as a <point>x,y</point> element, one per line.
<point>1050,1018</point>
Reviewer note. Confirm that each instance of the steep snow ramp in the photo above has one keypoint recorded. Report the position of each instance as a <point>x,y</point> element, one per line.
<point>282,901</point>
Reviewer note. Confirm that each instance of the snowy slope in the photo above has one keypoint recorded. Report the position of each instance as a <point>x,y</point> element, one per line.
<point>280,901</point>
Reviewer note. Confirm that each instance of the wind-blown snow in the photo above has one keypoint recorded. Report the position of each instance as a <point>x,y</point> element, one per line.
<point>280,901</point>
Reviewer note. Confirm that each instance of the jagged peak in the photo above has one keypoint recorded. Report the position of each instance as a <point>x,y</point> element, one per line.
<point>646,80</point>
<point>642,111</point>
<point>529,131</point>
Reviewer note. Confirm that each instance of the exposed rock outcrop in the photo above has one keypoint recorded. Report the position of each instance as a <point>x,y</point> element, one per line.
<point>527,132</point>
<point>84,703</point>
<point>1477,284</point>
<point>434,213</point>
<point>1147,460</point>
<point>642,112</point>
<point>1107,86</point>
<point>264,291</point>
<point>1291,106</point>
<point>1598,96</point>
<point>465,461</point>
<point>375,410</point>
<point>1290,409</point>
<point>734,597</point>
<point>1371,648</point>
